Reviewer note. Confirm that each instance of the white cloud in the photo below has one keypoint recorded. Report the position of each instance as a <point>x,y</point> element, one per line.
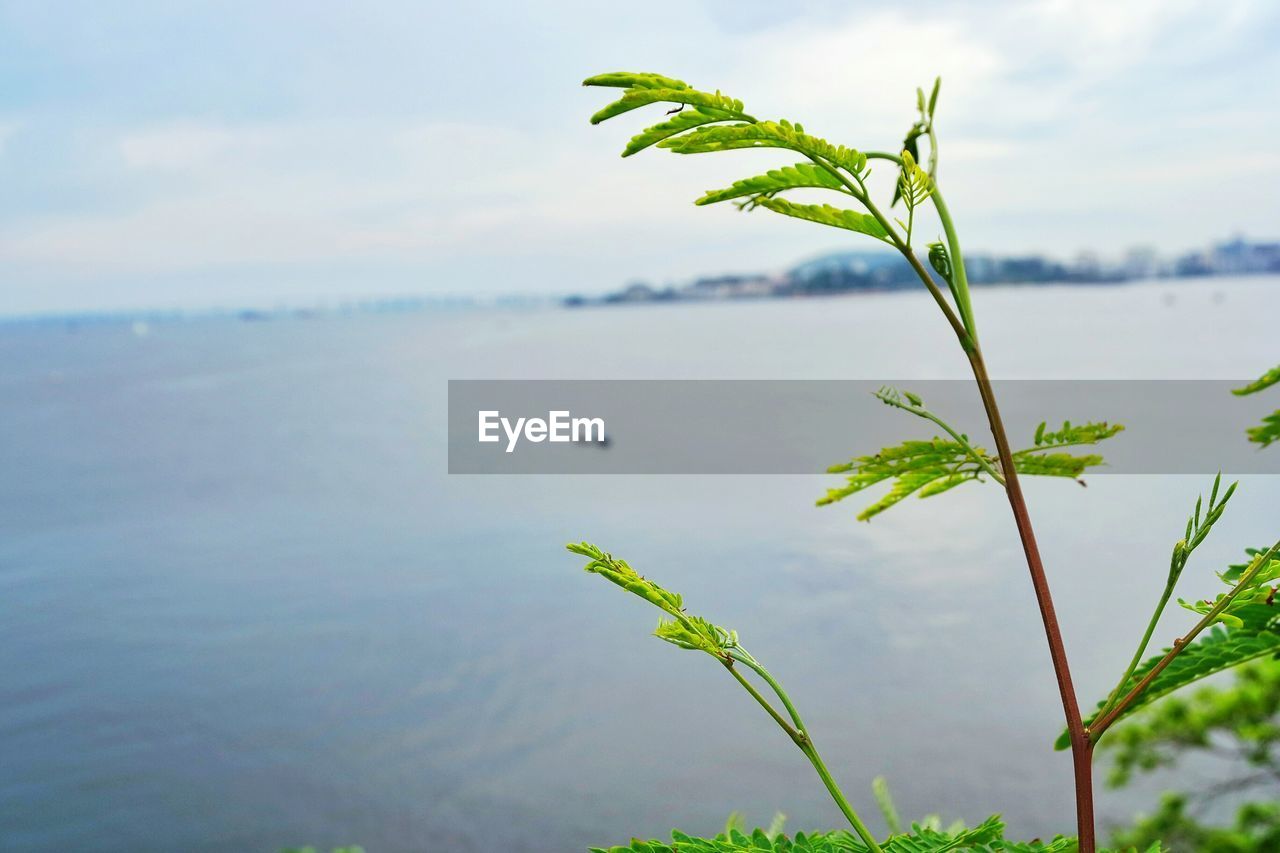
<point>1063,125</point>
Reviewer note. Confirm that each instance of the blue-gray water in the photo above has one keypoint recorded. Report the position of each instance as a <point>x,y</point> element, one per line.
<point>243,606</point>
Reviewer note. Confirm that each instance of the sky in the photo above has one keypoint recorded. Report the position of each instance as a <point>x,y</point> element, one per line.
<point>191,155</point>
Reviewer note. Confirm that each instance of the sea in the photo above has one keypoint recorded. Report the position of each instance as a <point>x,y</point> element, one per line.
<point>244,606</point>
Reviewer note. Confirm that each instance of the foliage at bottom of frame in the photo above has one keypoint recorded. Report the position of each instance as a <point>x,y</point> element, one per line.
<point>986,837</point>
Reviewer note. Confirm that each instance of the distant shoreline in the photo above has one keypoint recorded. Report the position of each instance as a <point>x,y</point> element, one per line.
<point>880,272</point>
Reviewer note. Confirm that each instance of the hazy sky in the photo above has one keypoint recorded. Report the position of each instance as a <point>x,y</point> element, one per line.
<point>223,153</point>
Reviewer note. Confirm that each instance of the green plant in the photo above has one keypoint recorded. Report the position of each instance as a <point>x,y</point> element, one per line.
<point>1269,430</point>
<point>1240,620</point>
<point>1239,723</point>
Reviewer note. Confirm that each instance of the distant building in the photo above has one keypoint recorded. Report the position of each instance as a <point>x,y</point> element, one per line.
<point>1239,257</point>
<point>730,287</point>
<point>854,272</point>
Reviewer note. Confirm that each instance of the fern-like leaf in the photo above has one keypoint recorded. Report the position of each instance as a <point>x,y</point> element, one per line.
<point>1216,650</point>
<point>676,124</point>
<point>1056,464</point>
<point>1070,436</point>
<point>929,468</point>
<point>776,180</point>
<point>914,185</point>
<point>1266,432</point>
<point>635,80</point>
<point>767,134</point>
<point>986,837</point>
<point>683,630</point>
<point>825,214</point>
<point>1250,619</point>
<point>635,98</point>
<point>1256,585</point>
<point>1271,377</point>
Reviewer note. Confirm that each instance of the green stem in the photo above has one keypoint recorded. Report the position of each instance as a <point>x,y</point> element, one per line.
<point>960,279</point>
<point>795,735</point>
<point>1104,721</point>
<point>1081,746</point>
<point>967,341</point>
<point>838,795</point>
<point>775,686</point>
<point>799,735</point>
<point>1142,646</point>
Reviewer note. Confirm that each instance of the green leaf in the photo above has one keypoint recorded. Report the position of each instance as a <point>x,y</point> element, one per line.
<point>632,80</point>
<point>914,185</point>
<point>683,630</point>
<point>776,180</point>
<point>929,468</point>
<point>1256,585</point>
<point>924,840</point>
<point>1271,377</point>
<point>1266,432</point>
<point>676,124</point>
<point>986,837</point>
<point>767,134</point>
<point>1056,464</point>
<point>1215,650</point>
<point>825,214</point>
<point>940,260</point>
<point>636,98</point>
<point>1071,436</point>
<point>619,572</point>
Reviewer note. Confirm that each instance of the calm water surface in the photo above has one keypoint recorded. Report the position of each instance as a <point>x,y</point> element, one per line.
<point>243,606</point>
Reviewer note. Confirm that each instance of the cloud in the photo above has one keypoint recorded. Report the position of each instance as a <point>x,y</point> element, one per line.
<point>1063,125</point>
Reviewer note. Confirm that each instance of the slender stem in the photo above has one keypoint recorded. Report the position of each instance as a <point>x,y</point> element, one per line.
<point>958,274</point>
<point>800,737</point>
<point>1142,646</point>
<point>1104,722</point>
<point>777,689</point>
<point>795,735</point>
<point>1081,746</point>
<point>960,278</point>
<point>838,795</point>
<point>966,340</point>
<point>966,333</point>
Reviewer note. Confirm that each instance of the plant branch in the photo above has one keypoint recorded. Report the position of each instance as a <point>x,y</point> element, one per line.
<point>920,411</point>
<point>967,342</point>
<point>795,735</point>
<point>1104,722</point>
<point>1081,746</point>
<point>743,656</point>
<point>836,794</point>
<point>1142,646</point>
<point>799,736</point>
<point>960,285</point>
<point>958,274</point>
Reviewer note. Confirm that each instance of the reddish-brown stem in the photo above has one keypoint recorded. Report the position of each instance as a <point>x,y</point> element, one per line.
<point>1081,746</point>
